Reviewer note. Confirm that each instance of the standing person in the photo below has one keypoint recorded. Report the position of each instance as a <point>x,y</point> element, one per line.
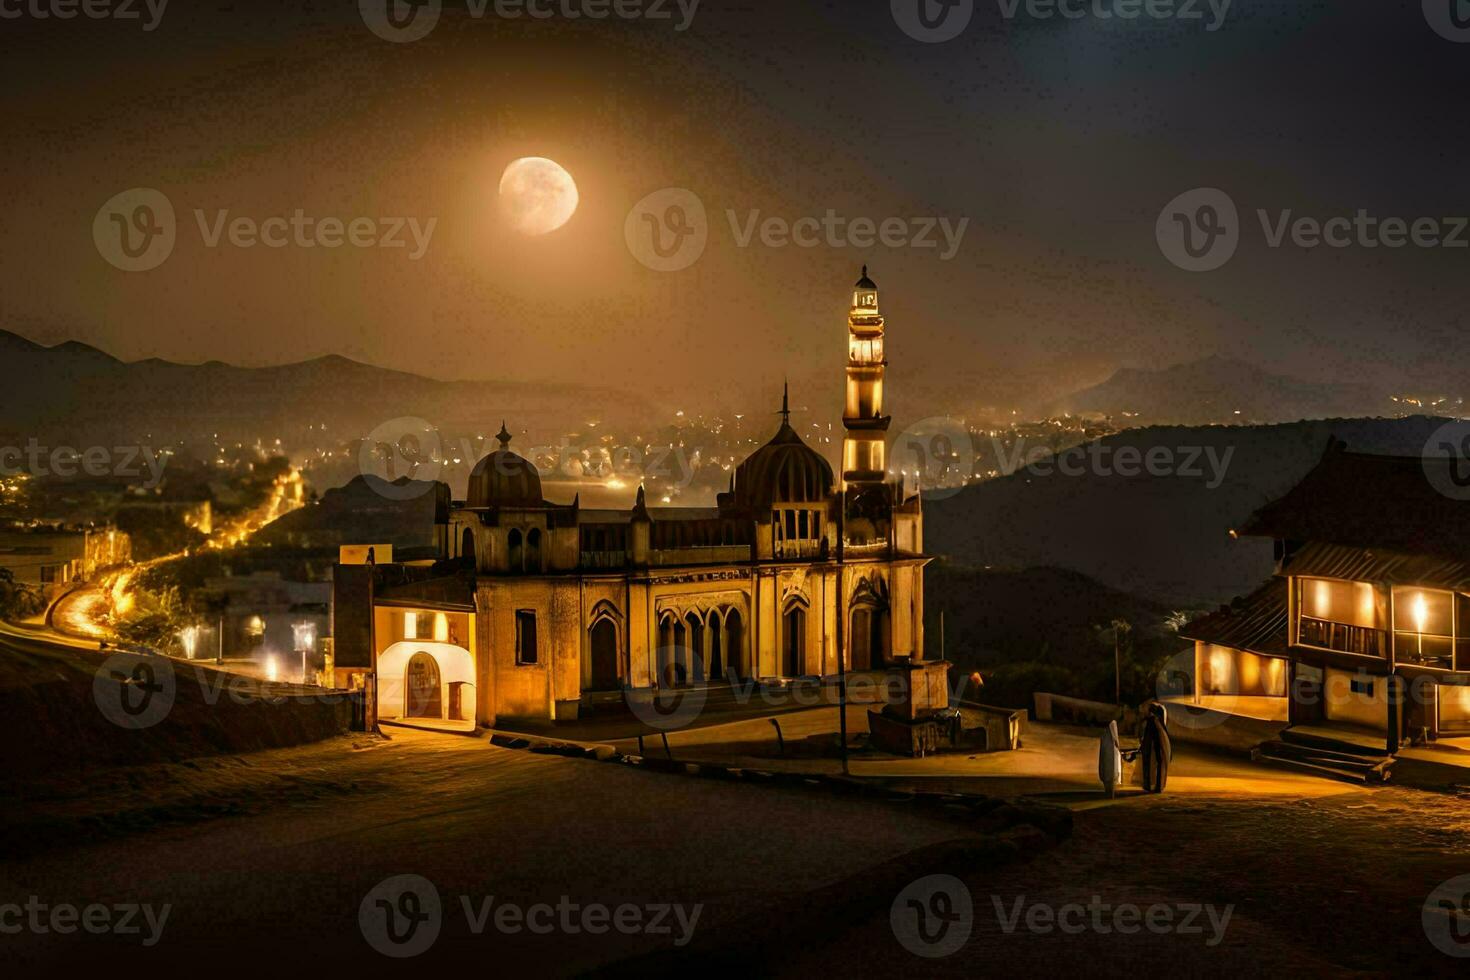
<point>1109,760</point>
<point>1156,748</point>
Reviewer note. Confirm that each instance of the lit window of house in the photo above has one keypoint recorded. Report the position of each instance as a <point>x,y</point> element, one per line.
<point>1424,627</point>
<point>1342,616</point>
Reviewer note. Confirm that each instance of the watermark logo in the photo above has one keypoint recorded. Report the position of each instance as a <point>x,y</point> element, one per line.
<point>933,21</point>
<point>667,230</point>
<point>1449,18</point>
<point>938,453</point>
<point>1199,230</point>
<point>91,9</point>
<point>66,462</point>
<point>670,706</point>
<point>403,447</point>
<point>401,21</point>
<point>1446,460</point>
<point>65,918</point>
<point>134,691</point>
<point>136,230</point>
<point>1446,917</point>
<point>401,916</point>
<point>839,231</point>
<point>1106,918</point>
<point>933,916</point>
<point>404,21</point>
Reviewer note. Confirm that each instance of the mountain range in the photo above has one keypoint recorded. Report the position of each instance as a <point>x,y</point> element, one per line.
<point>73,394</point>
<point>1220,390</point>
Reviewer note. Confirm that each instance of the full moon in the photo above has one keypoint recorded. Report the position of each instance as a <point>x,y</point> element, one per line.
<point>537,195</point>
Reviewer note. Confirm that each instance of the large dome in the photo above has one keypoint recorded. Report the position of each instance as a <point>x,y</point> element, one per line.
<point>784,470</point>
<point>504,479</point>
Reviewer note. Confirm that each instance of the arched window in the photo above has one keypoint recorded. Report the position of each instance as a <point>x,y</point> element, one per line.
<point>793,641</point>
<point>517,559</point>
<point>467,545</point>
<point>533,550</point>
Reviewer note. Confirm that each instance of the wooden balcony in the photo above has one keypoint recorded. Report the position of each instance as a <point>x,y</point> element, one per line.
<point>1342,637</point>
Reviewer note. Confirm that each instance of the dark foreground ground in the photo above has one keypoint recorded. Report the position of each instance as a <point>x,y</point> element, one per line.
<point>266,860</point>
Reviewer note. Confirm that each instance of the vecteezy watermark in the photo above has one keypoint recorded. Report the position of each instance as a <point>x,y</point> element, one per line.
<point>404,21</point>
<point>938,454</point>
<point>1446,917</point>
<point>35,459</point>
<point>1200,230</point>
<point>91,9</point>
<point>833,230</point>
<point>65,918</point>
<point>134,691</point>
<point>933,916</point>
<point>1450,19</point>
<point>1103,459</point>
<point>1446,460</point>
<point>405,455</point>
<point>1106,918</point>
<point>669,230</point>
<point>138,690</point>
<point>936,21</point>
<point>136,231</point>
<point>403,915</point>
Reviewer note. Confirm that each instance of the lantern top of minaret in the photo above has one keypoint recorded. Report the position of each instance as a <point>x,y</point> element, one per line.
<point>865,297</point>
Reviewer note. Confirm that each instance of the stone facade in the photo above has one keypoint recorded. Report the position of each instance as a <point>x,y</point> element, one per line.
<point>570,602</point>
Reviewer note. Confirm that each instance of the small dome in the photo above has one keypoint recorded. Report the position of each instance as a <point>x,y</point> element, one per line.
<point>504,479</point>
<point>784,470</point>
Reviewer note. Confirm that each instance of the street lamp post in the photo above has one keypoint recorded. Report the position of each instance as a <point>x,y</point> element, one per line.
<point>305,634</point>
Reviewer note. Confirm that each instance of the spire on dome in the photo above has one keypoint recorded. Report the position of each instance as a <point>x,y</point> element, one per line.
<point>786,403</point>
<point>503,435</point>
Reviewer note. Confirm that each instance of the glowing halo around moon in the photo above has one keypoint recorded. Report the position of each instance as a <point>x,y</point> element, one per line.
<point>537,195</point>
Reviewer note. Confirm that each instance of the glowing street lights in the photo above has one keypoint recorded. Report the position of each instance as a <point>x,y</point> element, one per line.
<point>305,635</point>
<point>189,639</point>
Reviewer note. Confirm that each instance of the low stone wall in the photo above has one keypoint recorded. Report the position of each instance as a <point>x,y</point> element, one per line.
<point>1075,711</point>
<point>1236,734</point>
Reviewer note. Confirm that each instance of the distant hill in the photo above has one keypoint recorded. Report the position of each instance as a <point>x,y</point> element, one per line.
<point>367,510</point>
<point>1165,538</point>
<point>1216,390</point>
<point>72,394</point>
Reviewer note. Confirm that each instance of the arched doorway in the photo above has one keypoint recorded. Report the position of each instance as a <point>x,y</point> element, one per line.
<point>735,646</point>
<point>861,639</point>
<point>869,641</point>
<point>793,641</point>
<point>603,645</point>
<point>666,639</point>
<point>693,654</point>
<point>421,696</point>
<point>716,665</point>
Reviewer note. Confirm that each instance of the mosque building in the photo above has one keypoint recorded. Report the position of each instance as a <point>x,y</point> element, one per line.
<point>538,609</point>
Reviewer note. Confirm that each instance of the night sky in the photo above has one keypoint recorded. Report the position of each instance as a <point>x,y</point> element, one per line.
<point>1059,140</point>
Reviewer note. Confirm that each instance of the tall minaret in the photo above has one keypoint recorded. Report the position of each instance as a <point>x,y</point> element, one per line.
<point>864,447</point>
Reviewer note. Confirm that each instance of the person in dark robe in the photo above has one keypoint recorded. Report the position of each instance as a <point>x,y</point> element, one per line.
<point>1156,750</point>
